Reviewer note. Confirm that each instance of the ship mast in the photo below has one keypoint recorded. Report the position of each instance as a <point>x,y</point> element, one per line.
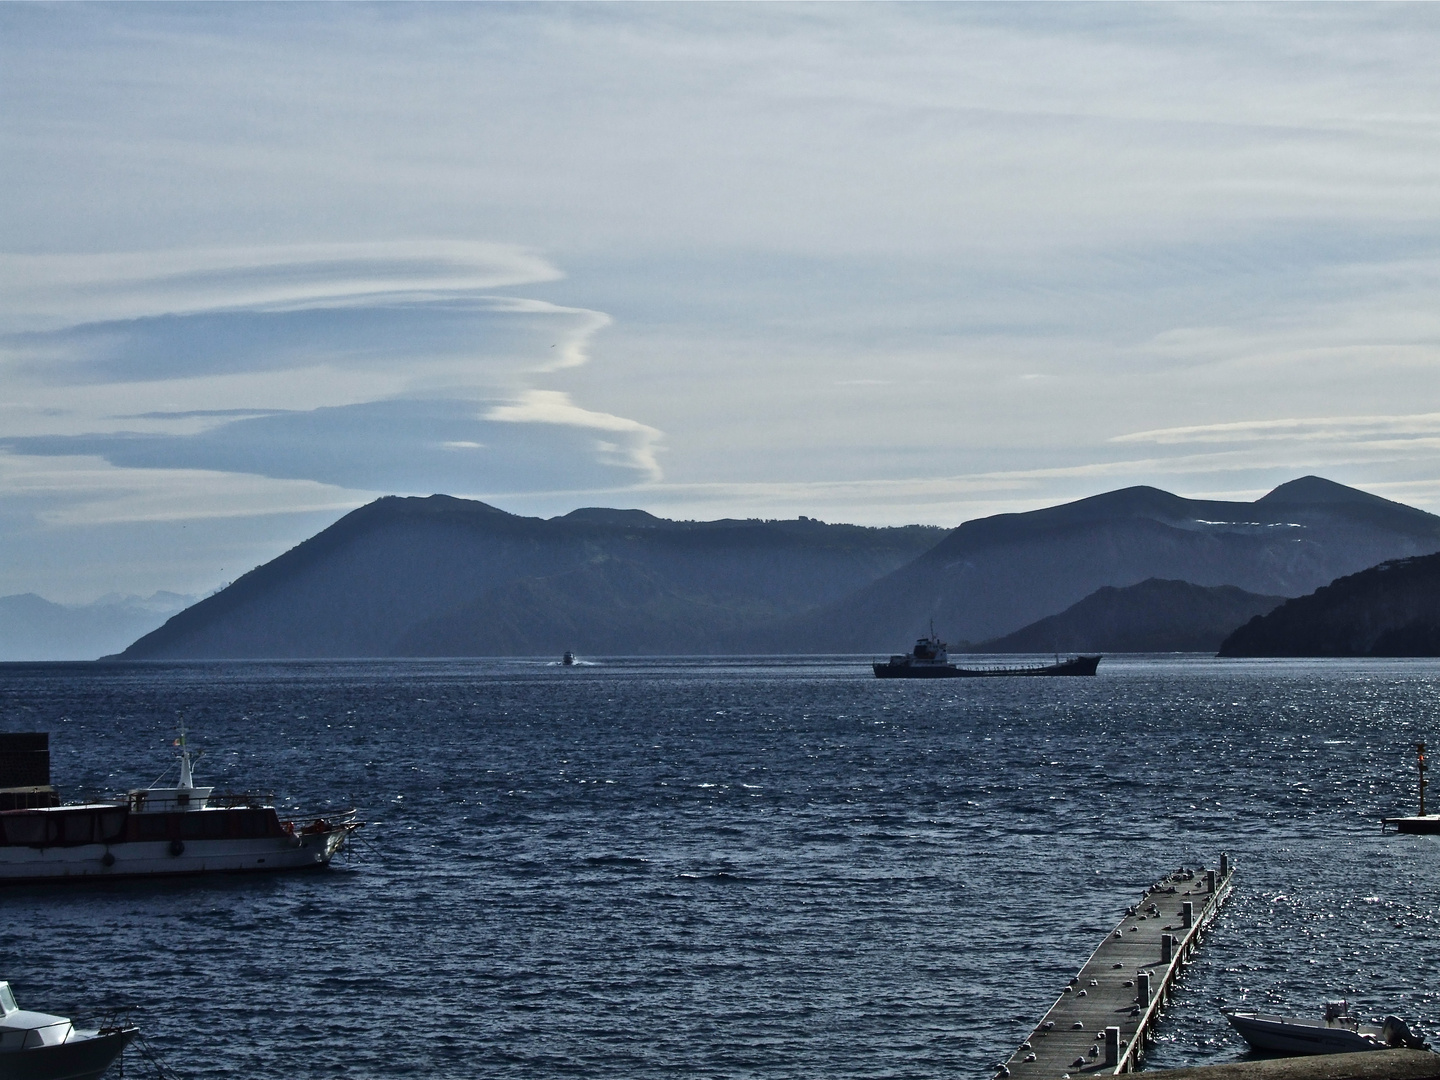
<point>187,782</point>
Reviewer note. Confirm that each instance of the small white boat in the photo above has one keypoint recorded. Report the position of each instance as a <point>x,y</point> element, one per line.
<point>163,831</point>
<point>38,1046</point>
<point>1337,1033</point>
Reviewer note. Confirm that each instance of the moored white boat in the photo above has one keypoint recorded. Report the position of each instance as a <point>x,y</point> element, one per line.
<point>1337,1032</point>
<point>163,831</point>
<point>38,1046</point>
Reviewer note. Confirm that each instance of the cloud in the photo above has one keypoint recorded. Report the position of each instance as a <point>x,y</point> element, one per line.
<point>479,340</point>
<point>364,367</point>
<point>66,290</point>
<point>400,446</point>
<point>1419,428</point>
<point>627,443</point>
<point>79,490</point>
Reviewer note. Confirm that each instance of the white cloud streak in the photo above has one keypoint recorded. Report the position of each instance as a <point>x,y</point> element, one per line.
<point>63,289</point>
<point>88,491</point>
<point>637,445</point>
<point>1419,429</point>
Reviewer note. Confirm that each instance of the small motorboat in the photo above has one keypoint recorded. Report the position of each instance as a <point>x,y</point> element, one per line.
<point>568,660</point>
<point>1338,1032</point>
<point>37,1046</point>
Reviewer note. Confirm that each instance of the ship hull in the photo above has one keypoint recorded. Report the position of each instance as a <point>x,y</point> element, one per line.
<point>78,1059</point>
<point>905,671</point>
<point>160,858</point>
<point>1079,665</point>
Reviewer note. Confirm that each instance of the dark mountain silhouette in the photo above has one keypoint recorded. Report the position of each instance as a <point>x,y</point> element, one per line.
<point>1153,616</point>
<point>1389,610</point>
<point>990,577</point>
<point>448,577</point>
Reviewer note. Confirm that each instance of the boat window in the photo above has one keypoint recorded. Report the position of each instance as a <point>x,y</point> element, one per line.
<point>77,828</point>
<point>111,824</point>
<point>7,999</point>
<point>24,828</point>
<point>249,824</point>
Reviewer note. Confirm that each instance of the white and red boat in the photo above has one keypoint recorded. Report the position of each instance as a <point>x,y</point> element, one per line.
<point>161,831</point>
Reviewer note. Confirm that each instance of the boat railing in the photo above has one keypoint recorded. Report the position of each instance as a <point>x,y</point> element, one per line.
<point>239,800</point>
<point>141,799</point>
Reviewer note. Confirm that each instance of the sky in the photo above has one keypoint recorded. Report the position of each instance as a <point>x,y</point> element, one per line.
<point>261,264</point>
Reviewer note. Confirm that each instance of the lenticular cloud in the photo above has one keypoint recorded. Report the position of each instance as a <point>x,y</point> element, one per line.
<point>394,367</point>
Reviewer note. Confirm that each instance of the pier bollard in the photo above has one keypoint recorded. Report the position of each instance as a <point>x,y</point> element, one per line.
<point>1210,881</point>
<point>1142,988</point>
<point>1167,948</point>
<point>1188,913</point>
<point>1112,1046</point>
<point>1224,865</point>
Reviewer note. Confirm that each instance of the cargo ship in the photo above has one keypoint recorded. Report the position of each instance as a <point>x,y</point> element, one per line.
<point>930,659</point>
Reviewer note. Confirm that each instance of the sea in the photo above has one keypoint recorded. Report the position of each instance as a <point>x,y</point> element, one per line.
<point>734,867</point>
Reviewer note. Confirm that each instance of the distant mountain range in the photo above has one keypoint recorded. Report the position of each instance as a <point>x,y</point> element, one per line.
<point>1153,616</point>
<point>440,576</point>
<point>1389,610</point>
<point>33,628</point>
<point>448,577</point>
<point>992,576</point>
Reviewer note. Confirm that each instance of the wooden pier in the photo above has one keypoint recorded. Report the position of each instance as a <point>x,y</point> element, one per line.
<point>1100,1023</point>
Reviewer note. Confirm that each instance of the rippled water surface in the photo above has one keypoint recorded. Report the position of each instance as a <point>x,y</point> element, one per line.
<point>730,868</point>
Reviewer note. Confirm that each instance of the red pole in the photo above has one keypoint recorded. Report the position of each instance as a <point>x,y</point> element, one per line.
<point>1420,753</point>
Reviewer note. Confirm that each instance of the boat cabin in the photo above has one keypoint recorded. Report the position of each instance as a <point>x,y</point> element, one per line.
<point>21,1030</point>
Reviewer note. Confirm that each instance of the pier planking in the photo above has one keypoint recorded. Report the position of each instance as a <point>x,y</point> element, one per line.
<point>1110,990</point>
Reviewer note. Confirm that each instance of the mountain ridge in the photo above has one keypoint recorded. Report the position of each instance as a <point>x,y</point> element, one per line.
<point>442,576</point>
<point>359,587</point>
<point>991,576</point>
